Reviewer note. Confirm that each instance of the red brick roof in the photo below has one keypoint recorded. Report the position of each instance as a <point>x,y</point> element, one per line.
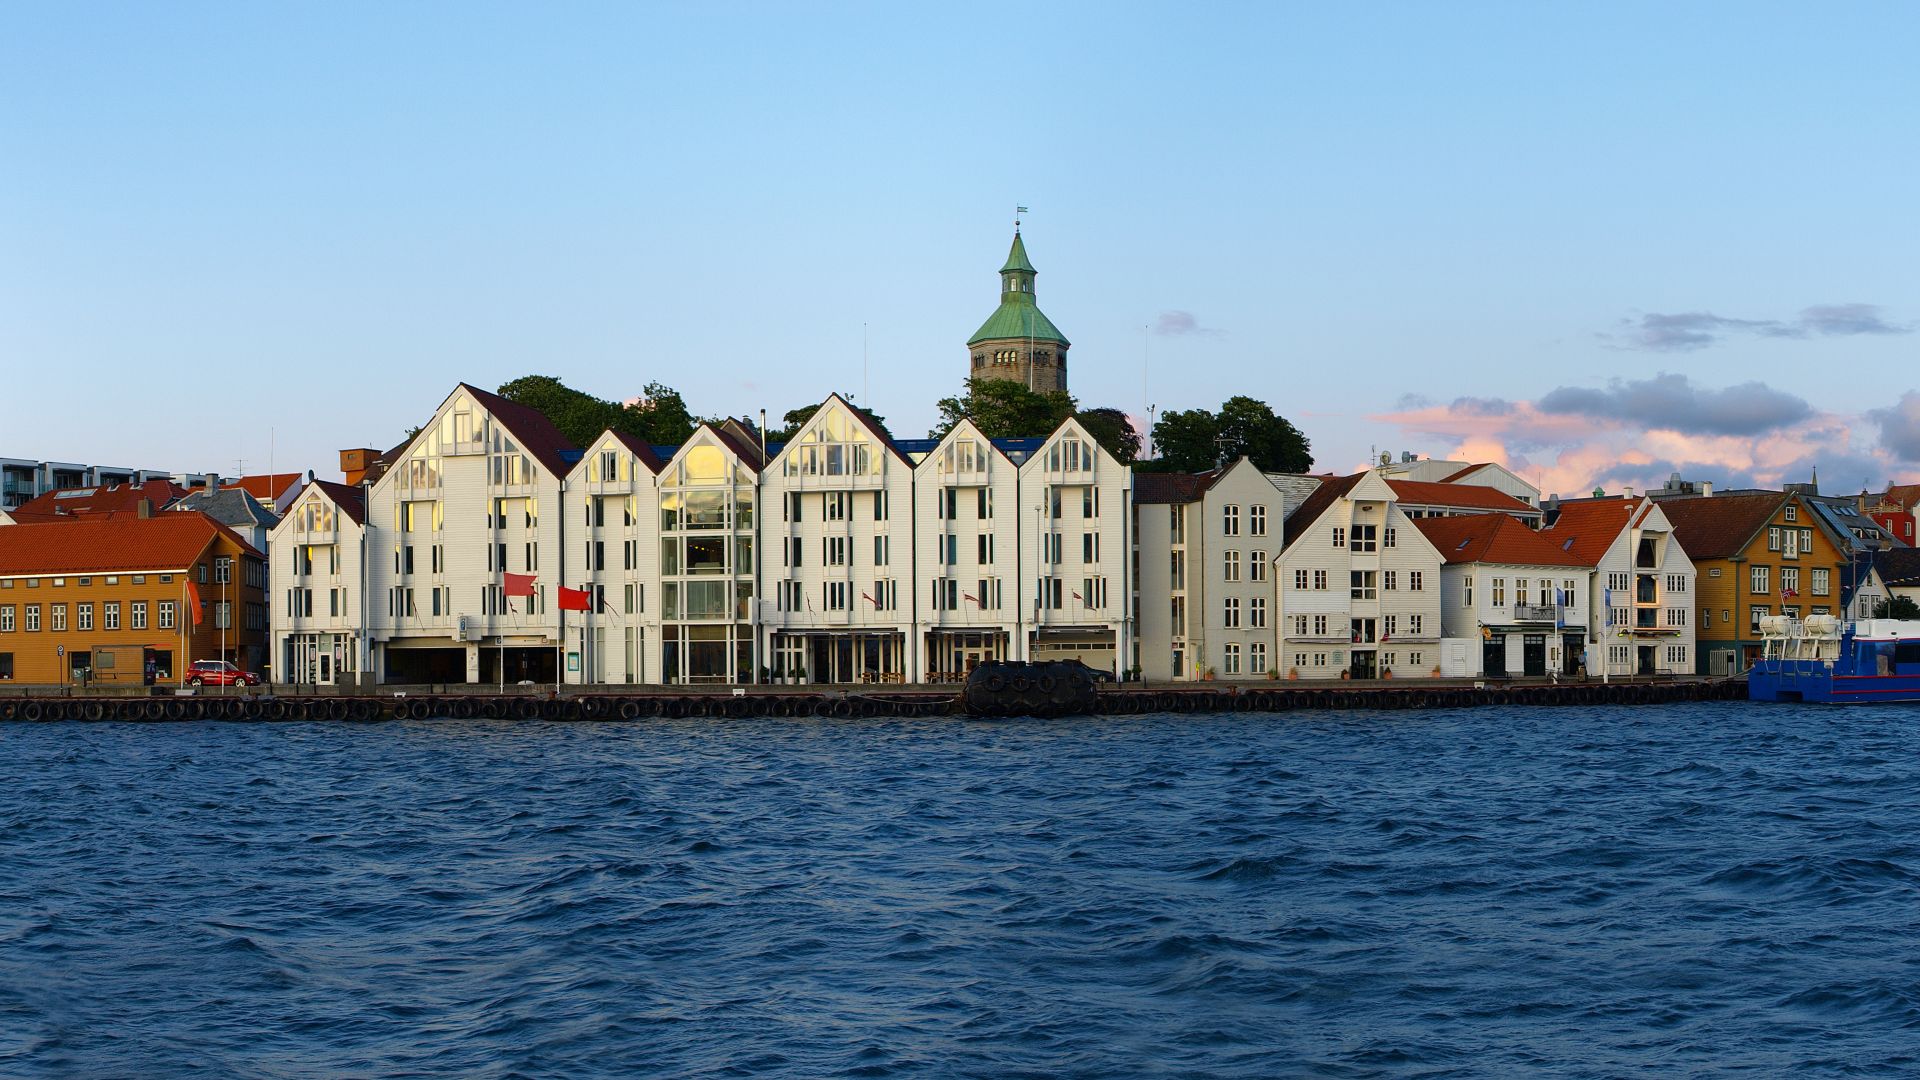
<point>118,544</point>
<point>1903,495</point>
<point>1459,497</point>
<point>1494,538</point>
<point>67,504</point>
<point>1721,526</point>
<point>1592,525</point>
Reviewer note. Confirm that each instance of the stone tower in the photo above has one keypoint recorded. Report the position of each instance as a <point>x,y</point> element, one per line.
<point>1018,342</point>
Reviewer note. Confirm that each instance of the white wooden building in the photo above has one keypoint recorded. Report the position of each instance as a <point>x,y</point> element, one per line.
<point>1517,600</point>
<point>1077,558</point>
<point>318,587</point>
<point>966,529</point>
<point>1641,597</point>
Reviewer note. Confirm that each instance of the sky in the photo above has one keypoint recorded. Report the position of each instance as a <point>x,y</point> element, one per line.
<point>1595,243</point>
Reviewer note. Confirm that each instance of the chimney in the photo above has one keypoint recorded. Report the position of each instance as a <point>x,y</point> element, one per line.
<point>1629,491</point>
<point>145,509</point>
<point>1706,489</point>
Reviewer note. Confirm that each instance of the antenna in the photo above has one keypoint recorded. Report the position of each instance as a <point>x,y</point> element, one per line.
<point>1017,211</point>
<point>864,402</point>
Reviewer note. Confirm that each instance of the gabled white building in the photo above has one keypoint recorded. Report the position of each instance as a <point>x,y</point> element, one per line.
<point>318,587</point>
<point>612,519</point>
<point>1642,594</point>
<point>1359,586</point>
<point>966,529</point>
<point>837,551</point>
<point>473,497</point>
<point>1513,601</point>
<point>1207,600</point>
<point>1077,556</point>
<point>708,536</point>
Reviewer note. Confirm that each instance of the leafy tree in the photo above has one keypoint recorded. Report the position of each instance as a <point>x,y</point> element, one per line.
<point>1004,409</point>
<point>1898,607</point>
<point>661,418</point>
<point>1114,431</point>
<point>1194,440</point>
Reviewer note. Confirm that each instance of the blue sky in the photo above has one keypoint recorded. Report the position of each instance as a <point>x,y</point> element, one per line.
<point>220,222</point>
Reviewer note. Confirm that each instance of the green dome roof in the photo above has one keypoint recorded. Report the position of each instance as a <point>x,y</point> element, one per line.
<point>1017,319</point>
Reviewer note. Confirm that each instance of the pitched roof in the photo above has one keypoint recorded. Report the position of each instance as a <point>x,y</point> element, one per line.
<point>1903,495</point>
<point>351,500</point>
<point>267,486</point>
<point>1163,488</point>
<point>1017,256</point>
<point>640,449</point>
<point>1898,566</point>
<point>70,503</point>
<point>1455,477</point>
<point>535,433</point>
<point>1591,525</point>
<point>1720,526</point>
<point>112,545</point>
<point>1330,490</point>
<point>1458,496</point>
<point>229,506</point>
<point>1494,538</point>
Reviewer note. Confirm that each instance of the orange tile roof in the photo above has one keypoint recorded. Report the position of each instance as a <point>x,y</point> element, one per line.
<point>116,544</point>
<point>268,486</point>
<point>1494,538</point>
<point>1459,496</point>
<point>1592,525</point>
<point>67,505</point>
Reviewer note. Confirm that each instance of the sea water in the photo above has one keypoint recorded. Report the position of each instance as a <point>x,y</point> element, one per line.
<point>1694,889</point>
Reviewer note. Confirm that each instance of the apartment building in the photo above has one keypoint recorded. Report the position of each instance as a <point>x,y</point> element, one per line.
<point>1522,597</point>
<point>319,582</point>
<point>1640,602</point>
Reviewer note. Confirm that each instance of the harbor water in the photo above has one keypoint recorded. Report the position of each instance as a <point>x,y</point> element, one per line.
<point>1695,889</point>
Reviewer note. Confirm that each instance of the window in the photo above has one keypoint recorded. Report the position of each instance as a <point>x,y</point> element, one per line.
<point>1760,582</point>
<point>83,617</point>
<point>1230,520</point>
<point>1390,580</point>
<point>1789,581</point>
<point>57,616</point>
<point>166,614</point>
<point>1299,659</point>
<point>1390,538</point>
<point>110,616</point>
<point>1300,579</point>
<point>1257,613</point>
<point>1090,547</point>
<point>983,503</point>
<point>1755,614</point>
<point>1388,626</point>
<point>1320,580</point>
<point>1793,512</point>
<point>1773,538</point>
<point>1413,627</point>
<point>1230,566</point>
<point>1363,585</point>
<point>1415,580</point>
<point>137,615</point>
<point>1231,657</point>
<point>836,504</point>
<point>33,617</point>
<point>1364,537</point>
<point>1806,541</point>
<point>1822,582</point>
<point>1339,537</point>
<point>1466,590</point>
<point>222,570</point>
<point>1257,657</point>
<point>837,550</point>
<point>880,506</point>
<point>1257,520</point>
<point>1677,616</point>
<point>1319,626</point>
<point>1230,613</point>
<point>880,550</point>
<point>1300,626</point>
<point>6,665</point>
<point>1090,503</point>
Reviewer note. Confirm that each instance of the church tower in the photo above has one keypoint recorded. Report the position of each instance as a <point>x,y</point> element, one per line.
<point>1018,342</point>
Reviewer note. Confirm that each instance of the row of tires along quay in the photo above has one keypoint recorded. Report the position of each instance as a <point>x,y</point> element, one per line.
<point>601,707</point>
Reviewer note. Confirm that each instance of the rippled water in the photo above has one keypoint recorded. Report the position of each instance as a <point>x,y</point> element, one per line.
<point>1684,890</point>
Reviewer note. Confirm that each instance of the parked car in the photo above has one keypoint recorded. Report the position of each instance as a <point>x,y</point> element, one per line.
<point>1098,675</point>
<point>219,673</point>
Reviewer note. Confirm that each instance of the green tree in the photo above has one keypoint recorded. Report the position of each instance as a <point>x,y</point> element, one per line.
<point>661,417</point>
<point>1004,409</point>
<point>1111,428</point>
<point>1194,440</point>
<point>1898,607</point>
<point>797,418</point>
<point>1187,440</point>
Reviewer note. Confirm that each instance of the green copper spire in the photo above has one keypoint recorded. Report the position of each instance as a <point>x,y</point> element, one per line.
<point>1018,317</point>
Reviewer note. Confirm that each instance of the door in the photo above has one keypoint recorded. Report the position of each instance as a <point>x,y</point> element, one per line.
<point>1364,666</point>
<point>1493,657</point>
<point>1533,653</point>
<point>1647,662</point>
<point>1571,648</point>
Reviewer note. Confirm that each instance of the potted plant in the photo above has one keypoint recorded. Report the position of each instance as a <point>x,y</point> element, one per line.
<point>1435,672</point>
<point>1293,673</point>
<point>1386,673</point>
<point>1208,675</point>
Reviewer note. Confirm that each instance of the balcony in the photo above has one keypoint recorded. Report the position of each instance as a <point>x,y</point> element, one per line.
<point>1534,613</point>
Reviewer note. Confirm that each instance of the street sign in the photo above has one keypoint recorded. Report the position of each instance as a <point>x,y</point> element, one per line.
<point>59,650</point>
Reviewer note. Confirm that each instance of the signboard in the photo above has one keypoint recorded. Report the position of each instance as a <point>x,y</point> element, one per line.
<point>573,661</point>
<point>59,650</point>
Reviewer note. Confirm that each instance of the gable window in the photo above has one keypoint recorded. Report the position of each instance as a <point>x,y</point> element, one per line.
<point>1257,519</point>
<point>1230,520</point>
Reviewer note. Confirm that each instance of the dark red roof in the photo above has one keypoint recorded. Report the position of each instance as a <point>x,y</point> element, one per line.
<point>69,503</point>
<point>1331,489</point>
<point>530,427</point>
<point>640,450</point>
<point>116,544</point>
<point>1458,496</point>
<point>1166,488</point>
<point>1721,526</point>
<point>1494,538</point>
<point>1456,477</point>
<point>351,500</point>
<point>1592,525</point>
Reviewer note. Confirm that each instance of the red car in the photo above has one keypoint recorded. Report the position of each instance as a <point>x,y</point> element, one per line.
<point>219,673</point>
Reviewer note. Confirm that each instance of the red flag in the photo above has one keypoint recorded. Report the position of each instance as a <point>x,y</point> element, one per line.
<point>193,602</point>
<point>519,584</point>
<point>575,599</point>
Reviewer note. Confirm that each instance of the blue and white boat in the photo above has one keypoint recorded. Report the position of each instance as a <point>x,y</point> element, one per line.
<point>1822,659</point>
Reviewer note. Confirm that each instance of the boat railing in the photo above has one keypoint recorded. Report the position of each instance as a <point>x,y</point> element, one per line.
<point>1783,637</point>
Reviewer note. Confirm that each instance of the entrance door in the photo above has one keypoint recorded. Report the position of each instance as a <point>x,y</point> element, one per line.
<point>1533,654</point>
<point>1493,657</point>
<point>1647,662</point>
<point>1571,647</point>
<point>1365,664</point>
